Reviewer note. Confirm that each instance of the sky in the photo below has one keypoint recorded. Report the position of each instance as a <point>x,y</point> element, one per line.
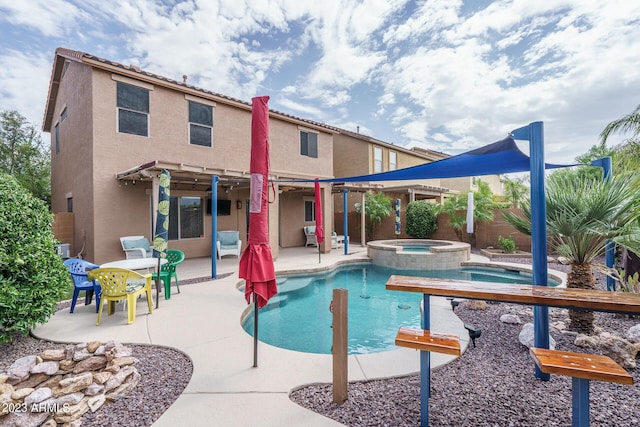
<point>444,75</point>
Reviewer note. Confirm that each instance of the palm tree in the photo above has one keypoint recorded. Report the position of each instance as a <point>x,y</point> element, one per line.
<point>515,190</point>
<point>377,206</point>
<point>582,214</point>
<point>629,123</point>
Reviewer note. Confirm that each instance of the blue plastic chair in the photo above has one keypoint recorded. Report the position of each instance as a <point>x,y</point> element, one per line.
<point>79,269</point>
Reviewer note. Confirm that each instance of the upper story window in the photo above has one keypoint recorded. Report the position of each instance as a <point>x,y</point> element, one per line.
<point>133,109</point>
<point>377,159</point>
<point>200,124</point>
<point>308,144</point>
<point>63,115</point>
<point>393,160</point>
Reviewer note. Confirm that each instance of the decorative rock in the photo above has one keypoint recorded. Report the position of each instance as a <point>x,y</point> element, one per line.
<point>69,399</point>
<point>118,378</point>
<point>81,354</point>
<point>119,392</point>
<point>96,402</point>
<point>476,304</point>
<point>123,361</point>
<point>102,377</point>
<point>48,368</point>
<point>619,349</point>
<point>33,381</point>
<point>93,346</point>
<point>43,384</point>
<point>633,334</point>
<point>38,395</point>
<point>73,384</point>
<point>18,395</point>
<point>50,423</point>
<point>526,337</point>
<point>586,341</point>
<point>116,351</point>
<point>113,369</point>
<point>25,419</point>
<point>6,388</point>
<point>94,389</point>
<point>560,326</point>
<point>92,363</point>
<point>52,382</point>
<point>134,378</point>
<point>563,260</point>
<point>53,354</point>
<point>511,319</point>
<point>67,365</point>
<point>21,368</point>
<point>71,413</point>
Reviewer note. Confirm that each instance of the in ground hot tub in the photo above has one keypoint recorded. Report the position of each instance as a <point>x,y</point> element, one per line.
<point>418,254</point>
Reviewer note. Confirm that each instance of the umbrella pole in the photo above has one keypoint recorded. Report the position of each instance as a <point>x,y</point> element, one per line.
<point>319,254</point>
<point>158,284</point>
<point>255,330</point>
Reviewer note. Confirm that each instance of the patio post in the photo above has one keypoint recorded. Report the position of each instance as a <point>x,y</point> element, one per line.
<point>214,226</point>
<point>534,133</point>
<point>607,170</point>
<point>345,230</point>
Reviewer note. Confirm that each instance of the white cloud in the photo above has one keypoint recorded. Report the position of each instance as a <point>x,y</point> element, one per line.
<point>25,83</point>
<point>449,74</point>
<point>46,17</point>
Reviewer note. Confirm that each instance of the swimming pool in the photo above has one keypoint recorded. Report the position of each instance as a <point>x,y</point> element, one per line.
<point>298,317</point>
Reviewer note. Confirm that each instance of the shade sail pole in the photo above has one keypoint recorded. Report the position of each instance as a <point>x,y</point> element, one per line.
<point>214,226</point>
<point>534,134</point>
<point>345,230</point>
<point>607,170</point>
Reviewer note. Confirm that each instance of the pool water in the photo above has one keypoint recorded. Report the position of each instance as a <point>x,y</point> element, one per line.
<point>417,248</point>
<point>298,317</point>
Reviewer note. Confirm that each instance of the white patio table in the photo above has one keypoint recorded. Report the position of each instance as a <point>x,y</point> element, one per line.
<point>135,264</point>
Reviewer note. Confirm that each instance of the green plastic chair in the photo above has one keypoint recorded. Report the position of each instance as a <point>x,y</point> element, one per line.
<point>168,271</point>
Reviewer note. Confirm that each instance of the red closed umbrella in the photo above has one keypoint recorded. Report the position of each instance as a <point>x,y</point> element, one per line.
<point>318,207</point>
<point>256,263</point>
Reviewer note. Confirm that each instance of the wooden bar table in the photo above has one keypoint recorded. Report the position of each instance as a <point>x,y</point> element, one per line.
<point>577,299</point>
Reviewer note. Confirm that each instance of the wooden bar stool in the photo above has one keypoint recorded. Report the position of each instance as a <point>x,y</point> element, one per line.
<point>582,367</point>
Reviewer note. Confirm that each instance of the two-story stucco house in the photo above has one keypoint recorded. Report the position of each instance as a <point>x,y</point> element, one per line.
<point>114,127</point>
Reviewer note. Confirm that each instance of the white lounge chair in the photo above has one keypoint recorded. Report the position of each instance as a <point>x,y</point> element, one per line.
<point>228,243</point>
<point>136,247</point>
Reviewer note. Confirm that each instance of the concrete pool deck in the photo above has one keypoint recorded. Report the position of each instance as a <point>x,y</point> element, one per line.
<point>203,321</point>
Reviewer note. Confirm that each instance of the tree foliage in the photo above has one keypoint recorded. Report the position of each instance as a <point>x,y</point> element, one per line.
<point>456,208</point>
<point>32,276</point>
<point>515,190</point>
<point>23,155</point>
<point>377,206</point>
<point>422,219</point>
<point>582,214</point>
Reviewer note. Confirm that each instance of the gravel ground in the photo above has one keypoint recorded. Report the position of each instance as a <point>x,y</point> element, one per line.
<point>490,385</point>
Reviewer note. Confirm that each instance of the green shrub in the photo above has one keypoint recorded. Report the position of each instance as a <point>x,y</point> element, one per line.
<point>32,276</point>
<point>422,219</point>
<point>507,244</point>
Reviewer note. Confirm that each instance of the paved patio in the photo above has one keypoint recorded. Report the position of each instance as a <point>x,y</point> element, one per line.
<point>203,321</point>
